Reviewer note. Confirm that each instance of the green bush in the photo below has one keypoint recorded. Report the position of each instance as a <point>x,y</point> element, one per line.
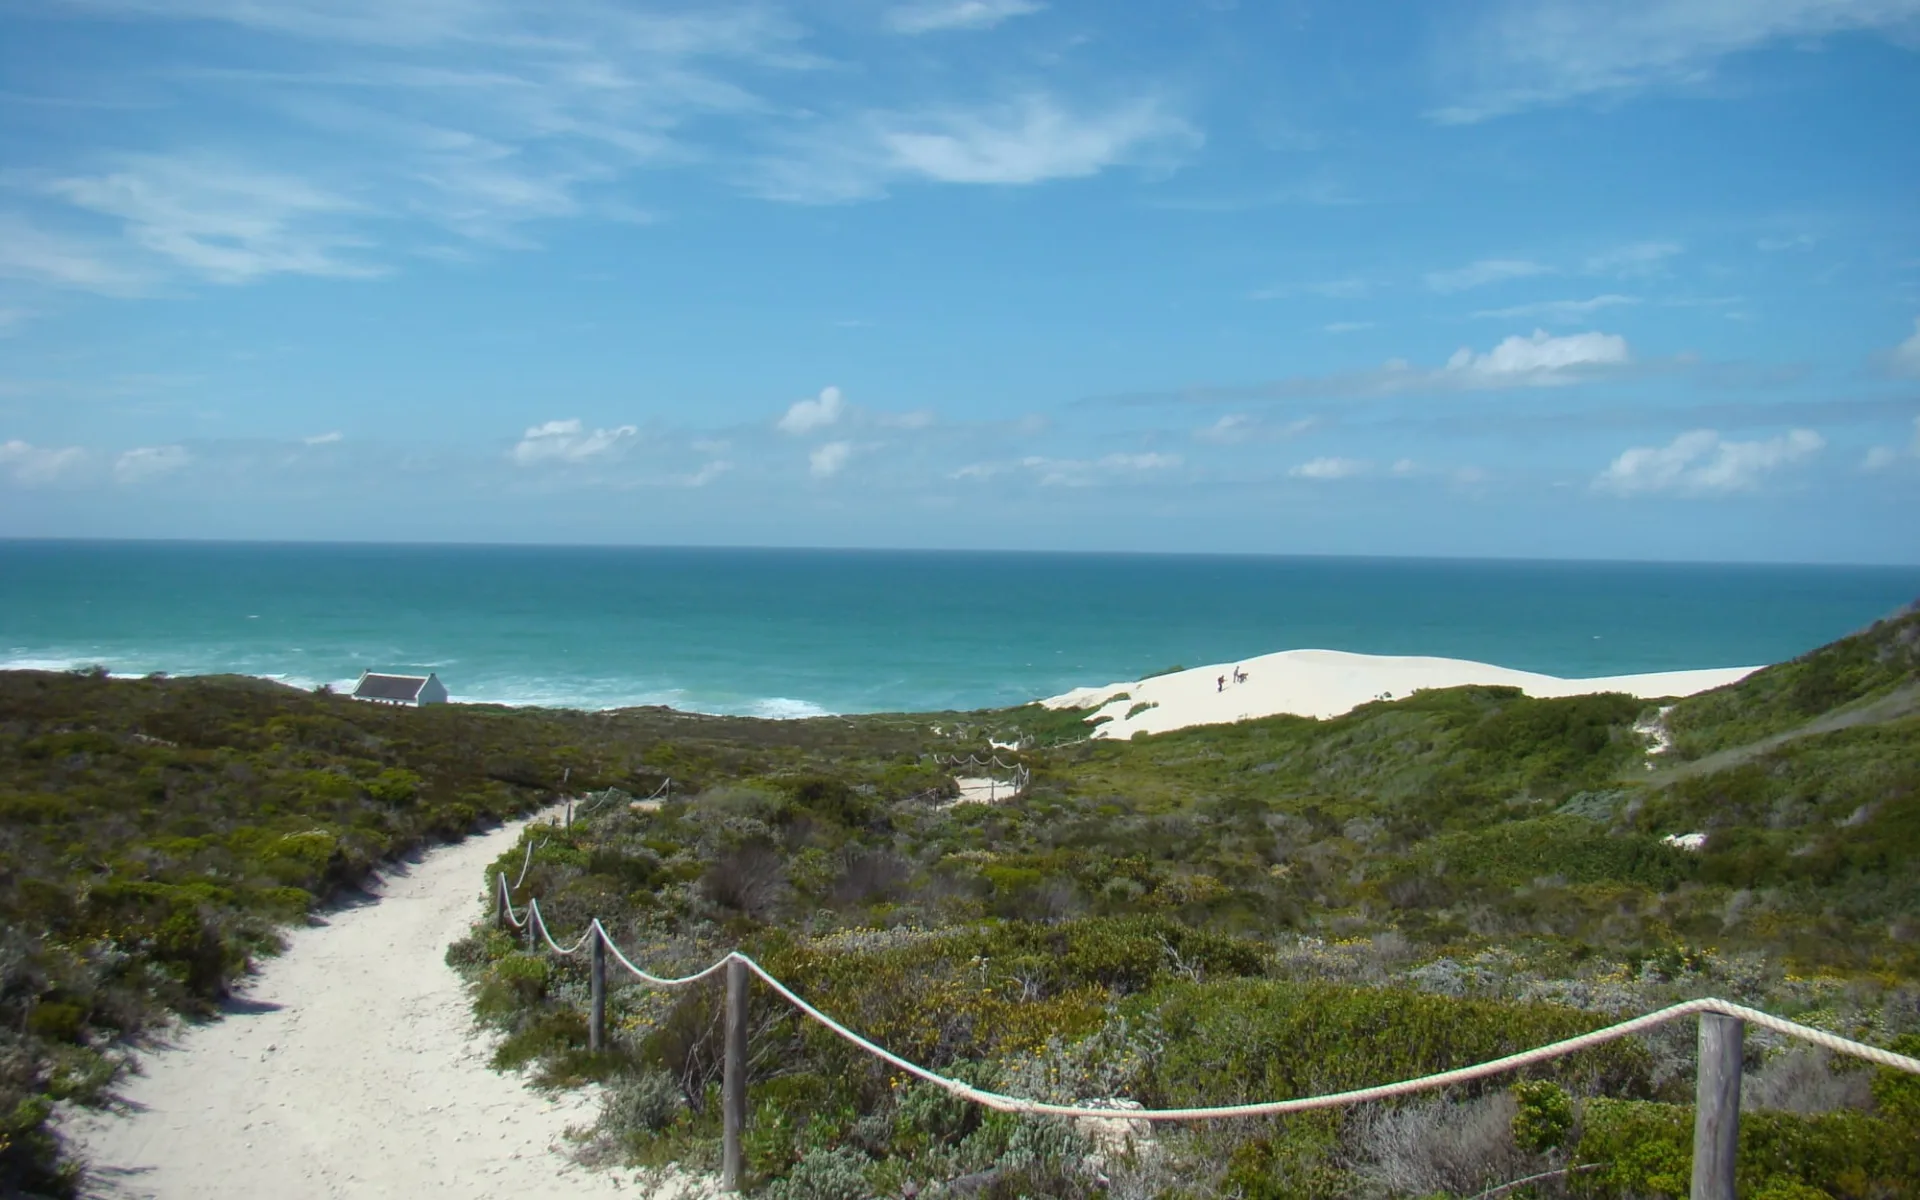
<point>1646,1148</point>
<point>1545,1116</point>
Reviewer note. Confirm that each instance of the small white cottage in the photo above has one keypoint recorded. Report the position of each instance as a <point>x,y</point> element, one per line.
<point>400,689</point>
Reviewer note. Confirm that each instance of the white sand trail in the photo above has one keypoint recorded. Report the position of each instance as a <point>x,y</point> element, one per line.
<point>351,1068</point>
<point>1327,683</point>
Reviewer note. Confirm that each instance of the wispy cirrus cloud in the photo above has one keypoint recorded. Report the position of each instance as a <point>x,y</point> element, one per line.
<point>1049,471</point>
<point>147,463</point>
<point>1348,288</point>
<point>1482,273</point>
<point>1239,428</point>
<point>1036,138</point>
<point>34,254</point>
<point>1635,260</point>
<point>214,220</point>
<point>477,117</point>
<point>941,16</point>
<point>1558,311</point>
<point>1543,53</point>
<point>1326,470</point>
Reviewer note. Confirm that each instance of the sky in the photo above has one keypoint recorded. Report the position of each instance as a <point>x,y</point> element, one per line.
<point>1548,279</point>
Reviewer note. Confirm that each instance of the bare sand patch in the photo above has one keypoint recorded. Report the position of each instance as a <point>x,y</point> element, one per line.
<point>1327,683</point>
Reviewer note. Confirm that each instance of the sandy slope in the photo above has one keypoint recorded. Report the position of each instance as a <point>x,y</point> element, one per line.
<point>1326,683</point>
<point>351,1068</point>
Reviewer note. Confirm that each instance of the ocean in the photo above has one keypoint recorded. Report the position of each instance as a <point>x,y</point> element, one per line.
<point>786,633</point>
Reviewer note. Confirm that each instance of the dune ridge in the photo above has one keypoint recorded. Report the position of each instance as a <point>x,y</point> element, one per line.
<point>1327,683</point>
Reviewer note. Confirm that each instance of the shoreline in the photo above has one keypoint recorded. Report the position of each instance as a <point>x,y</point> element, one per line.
<point>1328,683</point>
<point>1309,683</point>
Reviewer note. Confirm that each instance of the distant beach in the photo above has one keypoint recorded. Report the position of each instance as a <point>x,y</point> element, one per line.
<point>1328,683</point>
<point>784,633</point>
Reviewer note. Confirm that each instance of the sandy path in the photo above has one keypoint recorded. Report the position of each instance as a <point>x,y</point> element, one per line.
<point>351,1068</point>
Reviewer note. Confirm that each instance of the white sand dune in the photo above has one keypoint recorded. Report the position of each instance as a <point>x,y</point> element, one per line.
<point>1327,683</point>
<point>351,1068</point>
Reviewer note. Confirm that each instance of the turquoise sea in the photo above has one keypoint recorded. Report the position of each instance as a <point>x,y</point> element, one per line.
<point>800,632</point>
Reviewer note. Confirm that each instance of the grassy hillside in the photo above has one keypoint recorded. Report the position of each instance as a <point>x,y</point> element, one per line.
<point>1271,908</point>
<point>1212,915</point>
<point>154,835</point>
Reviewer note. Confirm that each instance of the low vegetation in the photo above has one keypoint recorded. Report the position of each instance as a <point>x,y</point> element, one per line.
<point>1211,916</point>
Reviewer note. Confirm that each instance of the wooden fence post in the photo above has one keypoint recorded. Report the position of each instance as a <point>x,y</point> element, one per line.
<point>733,1079</point>
<point>499,901</point>
<point>597,1021</point>
<point>1716,1114</point>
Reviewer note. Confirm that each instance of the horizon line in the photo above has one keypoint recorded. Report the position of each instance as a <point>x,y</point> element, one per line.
<point>482,544</point>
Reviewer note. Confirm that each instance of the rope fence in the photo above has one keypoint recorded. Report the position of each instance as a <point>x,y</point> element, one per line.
<point>1716,1118</point>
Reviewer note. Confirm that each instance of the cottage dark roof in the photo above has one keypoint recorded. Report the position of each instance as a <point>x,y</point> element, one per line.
<point>389,687</point>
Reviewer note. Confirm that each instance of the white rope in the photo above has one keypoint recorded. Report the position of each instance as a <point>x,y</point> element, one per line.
<point>506,903</point>
<point>540,923</point>
<point>647,976</point>
<point>528,862</point>
<point>1511,1062</point>
<point>1016,1104</point>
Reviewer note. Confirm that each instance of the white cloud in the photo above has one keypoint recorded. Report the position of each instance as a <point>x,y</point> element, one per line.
<point>1905,358</point>
<point>1028,141</point>
<point>1774,245</point>
<point>1879,458</point>
<point>1542,357</point>
<point>1151,461</point>
<point>1331,468</point>
<point>936,16</point>
<point>30,465</point>
<point>1535,53</point>
<point>36,255</point>
<point>808,415</point>
<point>1033,139</point>
<point>1483,272</point>
<point>1347,326</point>
<point>149,462</point>
<point>1559,311</point>
<point>476,116</point>
<point>1404,466</point>
<point>569,441</point>
<point>1330,289</point>
<point>1235,428</point>
<point>917,419</point>
<point>1701,462</point>
<point>706,474</point>
<point>1634,260</point>
<point>218,221</point>
<point>829,459</point>
<point>1077,472</point>
<point>323,439</point>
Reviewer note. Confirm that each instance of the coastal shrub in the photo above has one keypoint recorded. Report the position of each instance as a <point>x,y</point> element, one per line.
<point>1646,1148</point>
<point>837,1173</point>
<point>1442,1146</point>
<point>1543,1115</point>
<point>645,1102</point>
<point>1244,1040</point>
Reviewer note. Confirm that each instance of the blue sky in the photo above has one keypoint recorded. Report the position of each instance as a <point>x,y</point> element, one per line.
<point>1637,280</point>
